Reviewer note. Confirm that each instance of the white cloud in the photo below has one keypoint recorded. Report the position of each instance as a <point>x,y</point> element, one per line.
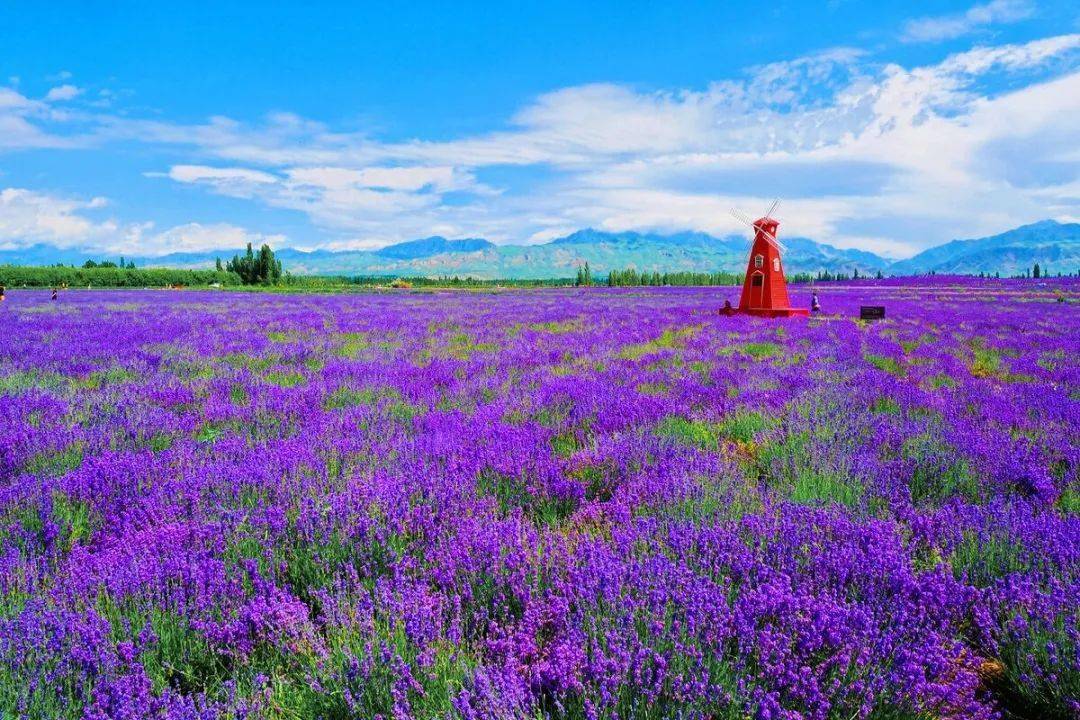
<point>337,197</point>
<point>191,237</point>
<point>61,93</point>
<point>21,123</point>
<point>11,101</point>
<point>28,217</point>
<point>235,182</point>
<point>947,27</point>
<point>202,173</point>
<point>1010,57</point>
<point>408,178</point>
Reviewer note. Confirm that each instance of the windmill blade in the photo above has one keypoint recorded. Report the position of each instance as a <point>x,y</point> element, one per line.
<point>768,235</point>
<point>772,240</point>
<point>741,217</point>
<point>772,208</point>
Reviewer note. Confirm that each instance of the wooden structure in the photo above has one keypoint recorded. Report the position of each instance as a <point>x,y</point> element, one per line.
<point>764,290</point>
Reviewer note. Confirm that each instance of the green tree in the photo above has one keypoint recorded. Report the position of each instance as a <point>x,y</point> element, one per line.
<point>261,269</point>
<point>1035,271</point>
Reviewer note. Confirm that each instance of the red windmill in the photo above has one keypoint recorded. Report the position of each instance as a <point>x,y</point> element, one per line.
<point>765,289</point>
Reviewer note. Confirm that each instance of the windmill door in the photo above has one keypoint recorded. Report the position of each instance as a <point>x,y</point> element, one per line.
<point>757,289</point>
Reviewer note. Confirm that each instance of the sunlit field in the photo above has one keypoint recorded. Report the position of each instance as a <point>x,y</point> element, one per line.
<point>576,503</point>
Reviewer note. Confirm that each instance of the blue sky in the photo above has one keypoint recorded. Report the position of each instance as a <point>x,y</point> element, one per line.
<point>145,128</point>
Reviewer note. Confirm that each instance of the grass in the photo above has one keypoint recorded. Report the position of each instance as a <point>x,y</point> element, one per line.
<point>387,399</point>
<point>986,363</point>
<point>254,363</point>
<point>27,379</point>
<point>184,660</point>
<point>512,493</point>
<point>1069,500</point>
<point>982,561</point>
<point>159,442</point>
<point>462,346</point>
<point>670,339</point>
<point>599,480</point>
<point>939,472</point>
<point>741,426</point>
<point>209,433</point>
<point>284,336</point>
<point>100,378</point>
<point>350,345</point>
<point>762,350</point>
<point>346,397</point>
<point>238,395</point>
<point>713,499</point>
<point>76,520</point>
<point>790,466</point>
<point>887,405</point>
<point>286,378</point>
<point>566,443</point>
<point>655,389</point>
<point>403,412</point>
<point>51,463</point>
<point>815,487</point>
<point>936,382</point>
<point>1051,360</point>
<point>885,364</point>
<point>695,433</point>
<point>555,327</point>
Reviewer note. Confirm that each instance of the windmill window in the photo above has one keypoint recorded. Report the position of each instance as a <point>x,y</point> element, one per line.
<point>776,264</point>
<point>759,260</point>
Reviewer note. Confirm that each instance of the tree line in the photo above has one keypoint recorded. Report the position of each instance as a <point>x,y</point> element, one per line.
<point>441,281</point>
<point>251,268</point>
<point>631,276</point>
<point>90,264</point>
<point>60,275</point>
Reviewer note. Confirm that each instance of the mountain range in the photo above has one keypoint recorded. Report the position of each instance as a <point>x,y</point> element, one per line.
<point>1055,246</point>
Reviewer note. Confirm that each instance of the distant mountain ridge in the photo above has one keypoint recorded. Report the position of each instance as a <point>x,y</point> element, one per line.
<point>1055,246</point>
<point>434,245</point>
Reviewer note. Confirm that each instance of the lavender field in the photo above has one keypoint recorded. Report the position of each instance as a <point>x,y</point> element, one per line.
<point>583,503</point>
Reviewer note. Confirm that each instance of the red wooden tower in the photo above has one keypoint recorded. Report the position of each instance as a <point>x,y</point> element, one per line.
<point>764,291</point>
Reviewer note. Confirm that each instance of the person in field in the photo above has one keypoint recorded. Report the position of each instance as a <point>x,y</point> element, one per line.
<point>815,306</point>
<point>54,293</point>
<point>2,290</point>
